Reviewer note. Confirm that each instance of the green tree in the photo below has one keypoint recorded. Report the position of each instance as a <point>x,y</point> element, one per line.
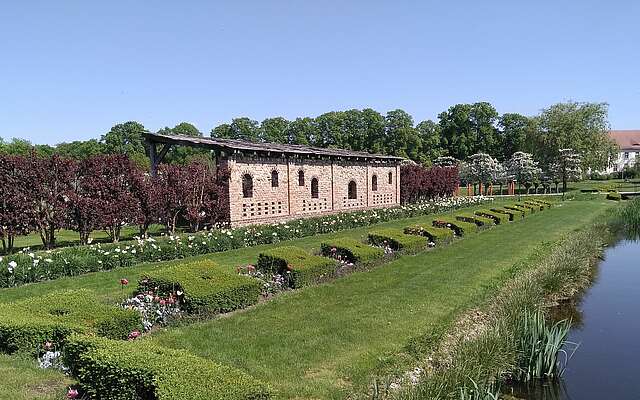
<point>514,131</point>
<point>582,127</point>
<point>374,124</point>
<point>303,131</point>
<point>275,130</point>
<point>79,149</point>
<point>330,129</point>
<point>222,131</point>
<point>469,128</point>
<point>182,155</point>
<point>401,137</point>
<point>127,139</point>
<point>431,149</point>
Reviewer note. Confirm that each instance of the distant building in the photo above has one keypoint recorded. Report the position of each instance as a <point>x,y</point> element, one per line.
<point>629,143</point>
<point>272,182</point>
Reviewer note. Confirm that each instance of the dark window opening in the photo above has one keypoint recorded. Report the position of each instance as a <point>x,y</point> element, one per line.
<point>374,183</point>
<point>247,186</point>
<point>353,190</point>
<point>274,178</point>
<point>390,178</point>
<point>300,178</point>
<point>314,188</point>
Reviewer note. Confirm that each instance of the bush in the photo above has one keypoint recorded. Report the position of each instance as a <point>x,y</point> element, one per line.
<point>351,250</point>
<point>460,228</point>
<point>114,370</point>
<point>529,207</point>
<point>300,267</point>
<point>26,325</point>
<point>45,265</point>
<point>396,240</point>
<point>536,206</point>
<point>482,222</point>
<point>614,196</point>
<point>498,218</point>
<point>437,236</point>
<point>525,211</point>
<point>205,287</point>
<point>512,214</point>
<point>543,203</point>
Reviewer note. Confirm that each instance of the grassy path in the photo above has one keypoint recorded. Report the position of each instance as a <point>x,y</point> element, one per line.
<point>324,341</point>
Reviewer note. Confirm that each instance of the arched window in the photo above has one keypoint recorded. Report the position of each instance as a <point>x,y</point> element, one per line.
<point>301,178</point>
<point>353,190</point>
<point>390,178</point>
<point>274,178</point>
<point>314,188</point>
<point>374,183</point>
<point>247,186</point>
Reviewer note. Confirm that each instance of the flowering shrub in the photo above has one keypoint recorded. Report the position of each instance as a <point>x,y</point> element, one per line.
<point>155,310</point>
<point>27,266</point>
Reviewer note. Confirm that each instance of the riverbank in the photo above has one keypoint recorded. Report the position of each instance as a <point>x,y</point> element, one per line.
<point>481,352</point>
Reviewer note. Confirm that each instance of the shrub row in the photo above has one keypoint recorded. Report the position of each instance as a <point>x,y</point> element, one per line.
<point>204,287</point>
<point>26,325</point>
<point>614,196</point>
<point>511,214</point>
<point>397,240</point>
<point>460,228</point>
<point>435,235</point>
<point>119,370</point>
<point>498,218</point>
<point>300,267</point>
<point>27,267</point>
<point>350,250</point>
<point>480,221</point>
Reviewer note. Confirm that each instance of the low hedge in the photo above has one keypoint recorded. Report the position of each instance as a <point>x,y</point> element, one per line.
<point>437,236</point>
<point>351,250</point>
<point>134,370</point>
<point>46,265</point>
<point>397,240</point>
<point>512,214</point>
<point>301,268</point>
<point>460,228</point>
<point>533,209</point>
<point>544,202</point>
<point>205,287</point>
<point>614,196</point>
<point>537,206</point>
<point>482,222</point>
<point>498,218</point>
<point>525,211</point>
<point>26,325</point>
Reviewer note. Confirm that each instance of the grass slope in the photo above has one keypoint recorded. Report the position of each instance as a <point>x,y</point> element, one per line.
<point>22,379</point>
<point>324,341</point>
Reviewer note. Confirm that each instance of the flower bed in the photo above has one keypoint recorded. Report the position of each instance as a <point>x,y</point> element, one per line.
<point>397,240</point>
<point>297,266</point>
<point>27,266</point>
<point>350,250</point>
<point>498,218</point>
<point>437,236</point>
<point>119,370</point>
<point>512,214</point>
<point>460,228</point>
<point>27,324</point>
<point>201,286</point>
<point>482,222</point>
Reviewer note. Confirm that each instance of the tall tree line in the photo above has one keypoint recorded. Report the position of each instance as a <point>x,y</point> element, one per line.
<point>460,131</point>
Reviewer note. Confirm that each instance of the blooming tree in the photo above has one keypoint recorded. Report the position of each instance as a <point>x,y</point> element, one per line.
<point>523,169</point>
<point>567,166</point>
<point>482,168</point>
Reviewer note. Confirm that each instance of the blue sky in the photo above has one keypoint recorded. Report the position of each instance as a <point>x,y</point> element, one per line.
<point>70,70</point>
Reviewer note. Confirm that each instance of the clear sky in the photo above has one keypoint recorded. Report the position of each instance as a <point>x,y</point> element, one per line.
<point>70,70</point>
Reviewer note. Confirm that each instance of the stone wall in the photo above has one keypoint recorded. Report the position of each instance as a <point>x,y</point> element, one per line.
<point>292,197</point>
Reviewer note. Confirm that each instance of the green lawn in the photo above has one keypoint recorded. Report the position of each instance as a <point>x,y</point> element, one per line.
<point>325,341</point>
<point>22,379</point>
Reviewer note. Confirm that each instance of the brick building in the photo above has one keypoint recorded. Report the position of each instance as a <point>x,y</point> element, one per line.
<point>276,182</point>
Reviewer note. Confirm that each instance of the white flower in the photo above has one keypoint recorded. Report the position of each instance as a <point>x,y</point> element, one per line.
<point>32,255</point>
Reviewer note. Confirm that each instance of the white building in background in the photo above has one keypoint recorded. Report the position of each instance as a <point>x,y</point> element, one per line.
<point>629,143</point>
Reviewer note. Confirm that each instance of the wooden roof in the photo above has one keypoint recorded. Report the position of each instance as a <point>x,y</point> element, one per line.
<point>626,139</point>
<point>245,146</point>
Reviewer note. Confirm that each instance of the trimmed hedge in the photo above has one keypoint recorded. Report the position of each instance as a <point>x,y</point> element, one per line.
<point>302,268</point>
<point>26,325</point>
<point>498,218</point>
<point>435,235</point>
<point>482,222</point>
<point>544,202</point>
<point>71,261</point>
<point>460,228</point>
<point>397,240</point>
<point>533,209</point>
<point>351,250</point>
<point>205,287</point>
<point>537,206</point>
<point>614,196</point>
<point>525,211</point>
<point>134,370</point>
<point>512,214</point>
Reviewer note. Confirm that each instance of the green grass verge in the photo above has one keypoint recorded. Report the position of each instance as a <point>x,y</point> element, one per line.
<point>22,379</point>
<point>326,341</point>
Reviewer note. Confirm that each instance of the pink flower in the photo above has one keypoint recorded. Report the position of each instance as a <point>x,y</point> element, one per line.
<point>72,394</point>
<point>134,335</point>
<point>333,249</point>
<point>162,302</point>
<point>251,268</point>
<point>48,345</point>
<point>124,281</point>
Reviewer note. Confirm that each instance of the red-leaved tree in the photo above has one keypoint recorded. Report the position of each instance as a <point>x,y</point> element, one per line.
<point>420,183</point>
<point>16,216</point>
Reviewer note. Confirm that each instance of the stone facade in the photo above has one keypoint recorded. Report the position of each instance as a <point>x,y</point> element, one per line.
<point>285,187</point>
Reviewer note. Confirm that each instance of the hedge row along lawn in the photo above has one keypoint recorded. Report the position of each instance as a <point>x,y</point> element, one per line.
<point>325,341</point>
<point>164,275</point>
